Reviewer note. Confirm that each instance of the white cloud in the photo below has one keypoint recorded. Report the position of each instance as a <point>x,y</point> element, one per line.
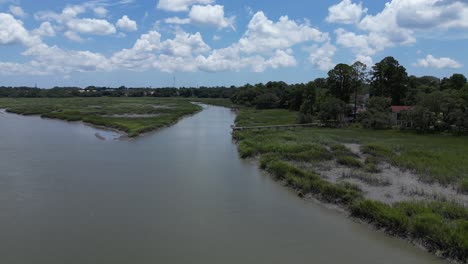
<point>177,20</point>
<point>322,57</point>
<point>127,24</point>
<point>438,63</point>
<point>17,11</point>
<point>281,58</point>
<point>12,31</point>
<point>100,11</point>
<point>180,5</point>
<point>185,45</point>
<point>427,14</point>
<point>345,12</point>
<point>367,60</point>
<point>70,22</point>
<point>45,30</point>
<point>208,15</point>
<point>211,15</point>
<point>360,44</point>
<point>264,35</point>
<point>91,26</point>
<point>399,23</point>
<point>73,36</point>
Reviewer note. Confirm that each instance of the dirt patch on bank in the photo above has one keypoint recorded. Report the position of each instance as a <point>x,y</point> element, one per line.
<point>133,115</point>
<point>389,184</point>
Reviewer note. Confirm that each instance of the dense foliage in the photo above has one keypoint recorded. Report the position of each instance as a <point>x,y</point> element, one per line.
<point>343,97</point>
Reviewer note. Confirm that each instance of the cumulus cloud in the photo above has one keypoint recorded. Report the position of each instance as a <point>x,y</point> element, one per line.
<point>12,31</point>
<point>345,12</point>
<point>100,11</point>
<point>180,5</point>
<point>177,20</point>
<point>264,35</point>
<point>45,30</point>
<point>322,57</point>
<point>17,11</point>
<point>73,25</point>
<point>91,26</point>
<point>127,24</point>
<point>438,63</point>
<point>266,44</point>
<point>399,23</point>
<point>73,36</point>
<point>212,15</point>
<point>207,15</point>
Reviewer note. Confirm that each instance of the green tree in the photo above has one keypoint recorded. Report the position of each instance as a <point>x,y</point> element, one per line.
<point>456,82</point>
<point>378,113</point>
<point>360,78</point>
<point>420,118</point>
<point>340,82</point>
<point>389,79</point>
<point>307,109</point>
<point>332,111</point>
<point>267,101</point>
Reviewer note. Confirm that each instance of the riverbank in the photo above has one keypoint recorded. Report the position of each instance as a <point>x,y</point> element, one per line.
<point>129,116</point>
<point>408,185</point>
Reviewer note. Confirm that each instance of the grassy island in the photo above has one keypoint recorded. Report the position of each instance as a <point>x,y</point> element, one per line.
<point>133,116</point>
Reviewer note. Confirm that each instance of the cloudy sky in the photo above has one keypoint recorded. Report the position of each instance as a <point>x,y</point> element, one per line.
<point>222,42</point>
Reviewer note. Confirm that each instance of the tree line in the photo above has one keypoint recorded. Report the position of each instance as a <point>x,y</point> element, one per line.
<point>348,93</point>
<point>93,91</point>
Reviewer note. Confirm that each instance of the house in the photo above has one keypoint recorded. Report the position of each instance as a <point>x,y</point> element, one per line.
<point>396,113</point>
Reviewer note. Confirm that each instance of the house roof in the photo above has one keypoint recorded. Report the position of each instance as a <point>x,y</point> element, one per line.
<point>399,108</point>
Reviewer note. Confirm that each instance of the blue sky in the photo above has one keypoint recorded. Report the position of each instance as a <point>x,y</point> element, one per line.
<point>216,42</point>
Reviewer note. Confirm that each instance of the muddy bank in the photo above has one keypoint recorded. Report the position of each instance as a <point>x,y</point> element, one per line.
<point>388,184</point>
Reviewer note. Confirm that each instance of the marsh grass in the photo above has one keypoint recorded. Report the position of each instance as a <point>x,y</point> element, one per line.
<point>104,111</point>
<point>463,186</point>
<point>370,179</point>
<point>441,226</point>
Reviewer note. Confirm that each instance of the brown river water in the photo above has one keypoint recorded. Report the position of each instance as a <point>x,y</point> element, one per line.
<point>179,195</point>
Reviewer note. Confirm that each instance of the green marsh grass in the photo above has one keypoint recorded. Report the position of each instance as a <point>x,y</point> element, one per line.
<point>440,226</point>
<point>148,113</point>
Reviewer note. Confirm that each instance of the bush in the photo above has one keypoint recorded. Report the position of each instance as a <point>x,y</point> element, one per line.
<point>378,114</point>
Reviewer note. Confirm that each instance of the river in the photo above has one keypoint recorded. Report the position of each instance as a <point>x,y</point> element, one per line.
<point>178,195</point>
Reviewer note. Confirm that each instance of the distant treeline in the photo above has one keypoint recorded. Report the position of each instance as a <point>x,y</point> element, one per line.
<point>436,104</point>
<point>92,91</point>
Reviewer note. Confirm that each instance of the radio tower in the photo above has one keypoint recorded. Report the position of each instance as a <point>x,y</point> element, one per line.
<point>174,81</point>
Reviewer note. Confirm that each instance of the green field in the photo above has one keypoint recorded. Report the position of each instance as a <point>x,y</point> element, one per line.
<point>131,115</point>
<point>441,225</point>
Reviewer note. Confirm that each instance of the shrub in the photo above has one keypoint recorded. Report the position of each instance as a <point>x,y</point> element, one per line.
<point>378,114</point>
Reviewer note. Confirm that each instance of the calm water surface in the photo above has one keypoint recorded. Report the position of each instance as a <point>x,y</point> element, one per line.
<point>180,195</point>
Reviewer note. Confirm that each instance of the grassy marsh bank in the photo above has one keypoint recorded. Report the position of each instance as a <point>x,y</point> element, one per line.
<point>343,166</point>
<point>133,116</point>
